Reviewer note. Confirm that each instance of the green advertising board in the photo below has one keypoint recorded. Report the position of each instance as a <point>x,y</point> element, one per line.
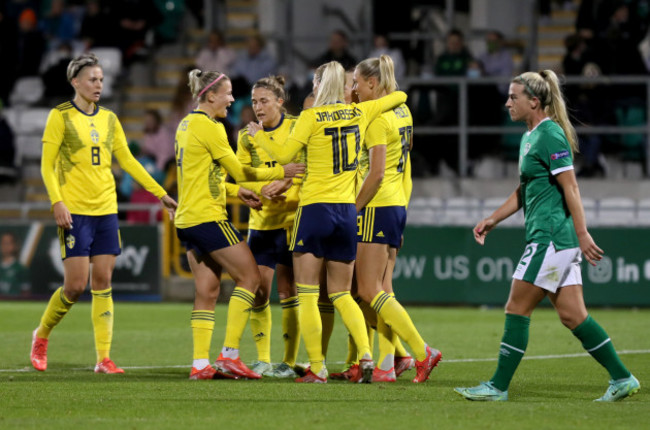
<point>444,265</point>
<point>137,274</point>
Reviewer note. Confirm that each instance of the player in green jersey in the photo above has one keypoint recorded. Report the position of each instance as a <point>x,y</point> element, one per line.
<point>556,236</point>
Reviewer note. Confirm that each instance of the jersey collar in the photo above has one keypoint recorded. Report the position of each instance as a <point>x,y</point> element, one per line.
<point>277,126</point>
<point>87,114</point>
<point>535,128</point>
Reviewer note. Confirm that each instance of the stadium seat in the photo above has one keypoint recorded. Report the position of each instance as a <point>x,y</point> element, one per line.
<point>643,215</point>
<point>616,211</point>
<point>27,91</point>
<point>110,59</point>
<point>424,211</point>
<point>462,210</point>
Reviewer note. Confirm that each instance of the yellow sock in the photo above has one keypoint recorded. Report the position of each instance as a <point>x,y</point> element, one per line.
<point>102,316</point>
<point>241,303</point>
<point>54,313</point>
<point>371,320</point>
<point>202,327</point>
<point>400,351</point>
<point>353,320</point>
<point>290,329</point>
<point>396,317</point>
<point>261,328</point>
<point>353,356</point>
<point>386,347</point>
<point>327,321</point>
<point>310,324</point>
<point>371,337</point>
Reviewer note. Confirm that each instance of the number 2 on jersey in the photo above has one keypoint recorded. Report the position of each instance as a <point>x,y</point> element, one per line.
<point>340,156</point>
<point>405,134</point>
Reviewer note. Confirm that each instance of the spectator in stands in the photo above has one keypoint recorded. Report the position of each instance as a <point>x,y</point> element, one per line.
<point>8,170</point>
<point>14,278</point>
<point>454,61</point>
<point>182,102</point>
<point>582,101</point>
<point>337,50</point>
<point>8,54</point>
<point>133,19</point>
<point>60,23</point>
<point>128,186</point>
<point>497,60</point>
<point>94,26</point>
<point>216,55</point>
<point>54,78</point>
<point>382,47</point>
<point>158,141</point>
<point>256,63</point>
<point>30,44</point>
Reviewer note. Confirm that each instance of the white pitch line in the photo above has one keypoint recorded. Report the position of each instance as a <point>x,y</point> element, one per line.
<point>445,361</point>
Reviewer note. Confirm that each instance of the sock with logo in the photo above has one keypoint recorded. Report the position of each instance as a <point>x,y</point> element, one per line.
<point>513,348</point>
<point>261,328</point>
<point>396,317</point>
<point>326,310</point>
<point>597,343</point>
<point>56,309</point>
<point>202,323</point>
<point>290,329</point>
<point>239,307</point>
<point>353,319</point>
<point>102,316</point>
<point>311,325</point>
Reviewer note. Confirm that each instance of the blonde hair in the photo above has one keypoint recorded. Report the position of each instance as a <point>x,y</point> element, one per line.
<point>275,84</point>
<point>381,68</point>
<point>200,81</point>
<point>76,64</point>
<point>331,78</point>
<point>545,86</point>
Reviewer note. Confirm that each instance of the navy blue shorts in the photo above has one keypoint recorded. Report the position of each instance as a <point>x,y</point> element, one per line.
<point>91,235</point>
<point>209,236</point>
<point>326,230</point>
<point>381,225</point>
<point>270,247</point>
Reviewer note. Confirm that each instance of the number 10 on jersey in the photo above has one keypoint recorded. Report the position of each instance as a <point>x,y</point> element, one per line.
<point>340,155</point>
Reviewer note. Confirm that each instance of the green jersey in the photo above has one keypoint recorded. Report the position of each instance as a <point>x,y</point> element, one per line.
<point>13,279</point>
<point>544,153</point>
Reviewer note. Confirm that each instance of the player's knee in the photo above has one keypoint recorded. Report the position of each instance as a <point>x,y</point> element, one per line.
<point>571,320</point>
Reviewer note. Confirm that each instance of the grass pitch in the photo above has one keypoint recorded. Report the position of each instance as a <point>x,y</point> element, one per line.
<point>553,388</point>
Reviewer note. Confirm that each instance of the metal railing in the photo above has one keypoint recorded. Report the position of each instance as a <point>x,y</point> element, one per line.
<point>464,130</point>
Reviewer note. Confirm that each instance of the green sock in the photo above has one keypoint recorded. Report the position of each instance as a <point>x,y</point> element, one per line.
<point>597,343</point>
<point>513,347</point>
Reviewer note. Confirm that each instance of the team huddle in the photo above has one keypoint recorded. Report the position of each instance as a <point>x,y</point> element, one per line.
<point>329,191</point>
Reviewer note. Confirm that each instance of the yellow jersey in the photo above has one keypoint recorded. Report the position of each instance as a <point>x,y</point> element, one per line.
<point>393,129</point>
<point>203,156</point>
<point>333,134</point>
<point>274,214</point>
<point>78,150</point>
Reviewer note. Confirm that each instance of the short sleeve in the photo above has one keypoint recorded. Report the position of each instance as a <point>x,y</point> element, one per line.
<point>557,153</point>
<point>377,133</point>
<point>214,136</point>
<point>54,128</point>
<point>303,129</point>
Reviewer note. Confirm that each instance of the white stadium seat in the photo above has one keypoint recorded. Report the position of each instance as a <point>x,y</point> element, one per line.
<point>27,91</point>
<point>616,211</point>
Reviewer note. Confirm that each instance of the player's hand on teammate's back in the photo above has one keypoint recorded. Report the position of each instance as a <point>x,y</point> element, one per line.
<point>169,204</point>
<point>249,198</point>
<point>62,215</point>
<point>292,170</point>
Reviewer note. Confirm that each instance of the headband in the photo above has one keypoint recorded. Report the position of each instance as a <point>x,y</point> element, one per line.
<point>529,89</point>
<point>209,85</point>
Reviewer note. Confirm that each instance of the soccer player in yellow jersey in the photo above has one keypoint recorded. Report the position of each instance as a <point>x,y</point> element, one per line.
<point>79,143</point>
<point>270,229</point>
<point>381,205</point>
<point>325,225</point>
<point>203,156</point>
